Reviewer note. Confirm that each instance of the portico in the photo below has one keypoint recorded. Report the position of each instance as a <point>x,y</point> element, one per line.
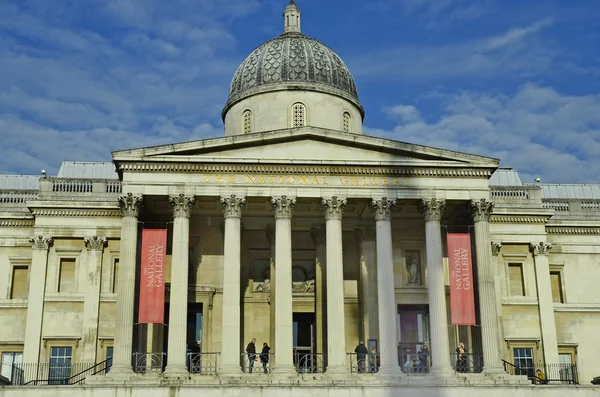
<point>225,211</point>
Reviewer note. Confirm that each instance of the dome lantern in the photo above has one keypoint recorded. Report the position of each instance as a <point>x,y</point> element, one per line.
<point>291,18</point>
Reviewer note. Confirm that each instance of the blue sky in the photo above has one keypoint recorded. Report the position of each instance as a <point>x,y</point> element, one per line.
<point>514,79</point>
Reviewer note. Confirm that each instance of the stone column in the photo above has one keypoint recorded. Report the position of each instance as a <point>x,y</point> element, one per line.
<point>270,232</point>
<point>368,282</point>
<point>130,205</point>
<point>432,210</point>
<point>283,207</point>
<point>91,304</point>
<point>232,207</point>
<point>181,206</point>
<point>336,330</point>
<point>546,305</point>
<point>386,293</point>
<point>318,237</point>
<point>35,298</point>
<point>492,360</point>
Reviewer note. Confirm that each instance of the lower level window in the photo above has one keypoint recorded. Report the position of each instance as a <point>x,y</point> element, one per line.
<point>109,358</point>
<point>524,361</point>
<point>11,362</point>
<point>60,365</point>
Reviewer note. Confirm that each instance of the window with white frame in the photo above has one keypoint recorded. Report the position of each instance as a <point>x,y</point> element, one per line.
<point>60,364</point>
<point>10,362</point>
<point>346,122</point>
<point>298,115</point>
<point>247,121</point>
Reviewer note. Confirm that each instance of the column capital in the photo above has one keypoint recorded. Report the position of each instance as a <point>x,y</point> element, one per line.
<point>432,209</point>
<point>95,243</point>
<point>283,206</point>
<point>318,235</point>
<point>233,206</point>
<point>181,205</point>
<point>496,247</point>
<point>382,208</point>
<point>541,248</point>
<point>365,233</point>
<point>481,210</point>
<point>333,207</point>
<point>130,204</point>
<point>41,242</point>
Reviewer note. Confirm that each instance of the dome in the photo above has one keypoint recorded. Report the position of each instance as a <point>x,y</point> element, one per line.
<point>292,61</point>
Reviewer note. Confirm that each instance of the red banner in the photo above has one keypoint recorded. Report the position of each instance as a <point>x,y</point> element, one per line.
<point>152,276</point>
<point>462,300</point>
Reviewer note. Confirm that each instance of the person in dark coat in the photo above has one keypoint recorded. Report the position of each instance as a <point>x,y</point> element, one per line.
<point>251,350</point>
<point>361,356</point>
<point>264,357</point>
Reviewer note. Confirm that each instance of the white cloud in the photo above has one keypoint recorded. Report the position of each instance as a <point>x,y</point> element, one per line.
<point>515,51</point>
<point>538,131</point>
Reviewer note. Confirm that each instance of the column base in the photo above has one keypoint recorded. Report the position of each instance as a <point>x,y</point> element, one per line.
<point>176,372</point>
<point>284,371</point>
<point>392,371</point>
<point>233,370</point>
<point>120,372</point>
<point>442,372</point>
<point>497,370</point>
<point>336,370</point>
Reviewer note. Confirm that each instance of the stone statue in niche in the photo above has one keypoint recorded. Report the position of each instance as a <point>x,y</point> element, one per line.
<point>413,267</point>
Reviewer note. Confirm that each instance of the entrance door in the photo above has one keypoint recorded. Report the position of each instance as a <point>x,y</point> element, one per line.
<point>304,341</point>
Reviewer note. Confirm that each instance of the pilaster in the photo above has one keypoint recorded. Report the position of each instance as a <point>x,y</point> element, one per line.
<point>283,209</point>
<point>95,248</point>
<point>386,297</point>
<point>318,237</point>
<point>232,207</point>
<point>336,330</point>
<point>365,237</point>
<point>540,252</point>
<point>35,298</point>
<point>181,206</point>
<point>481,211</point>
<point>432,210</point>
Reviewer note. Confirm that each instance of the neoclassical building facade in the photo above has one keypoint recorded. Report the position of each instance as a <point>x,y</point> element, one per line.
<point>297,230</point>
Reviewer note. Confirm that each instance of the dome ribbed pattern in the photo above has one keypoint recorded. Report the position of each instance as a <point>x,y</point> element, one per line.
<point>293,59</point>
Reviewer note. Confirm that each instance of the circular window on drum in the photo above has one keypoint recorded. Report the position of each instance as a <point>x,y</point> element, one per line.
<point>247,121</point>
<point>346,122</point>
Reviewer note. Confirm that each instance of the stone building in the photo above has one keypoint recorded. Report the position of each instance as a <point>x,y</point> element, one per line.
<point>299,231</point>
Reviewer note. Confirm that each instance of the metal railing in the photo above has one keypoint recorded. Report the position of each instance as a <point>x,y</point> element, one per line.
<point>257,363</point>
<point>363,363</point>
<point>39,374</point>
<point>309,363</point>
<point>467,362</point>
<point>415,363</point>
<point>542,374</point>
<point>202,363</point>
<point>149,362</point>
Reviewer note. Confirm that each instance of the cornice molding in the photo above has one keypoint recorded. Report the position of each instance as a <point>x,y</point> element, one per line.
<point>573,230</point>
<point>299,169</point>
<point>519,219</point>
<point>108,213</point>
<point>17,222</point>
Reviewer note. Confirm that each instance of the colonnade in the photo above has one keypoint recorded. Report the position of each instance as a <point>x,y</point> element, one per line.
<point>233,207</point>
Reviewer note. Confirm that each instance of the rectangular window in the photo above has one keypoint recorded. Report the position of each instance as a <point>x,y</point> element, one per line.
<point>556,283</point>
<point>66,277</point>
<point>11,366</point>
<point>19,288</point>
<point>109,358</point>
<point>523,360</point>
<point>60,365</point>
<point>115,277</point>
<point>515,273</point>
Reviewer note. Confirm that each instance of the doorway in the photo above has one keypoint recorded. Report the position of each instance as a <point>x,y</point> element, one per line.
<point>304,342</point>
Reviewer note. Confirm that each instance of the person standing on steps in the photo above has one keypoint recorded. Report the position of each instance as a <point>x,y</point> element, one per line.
<point>264,357</point>
<point>251,350</point>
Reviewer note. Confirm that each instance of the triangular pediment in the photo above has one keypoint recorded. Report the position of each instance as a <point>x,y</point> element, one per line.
<point>305,146</point>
